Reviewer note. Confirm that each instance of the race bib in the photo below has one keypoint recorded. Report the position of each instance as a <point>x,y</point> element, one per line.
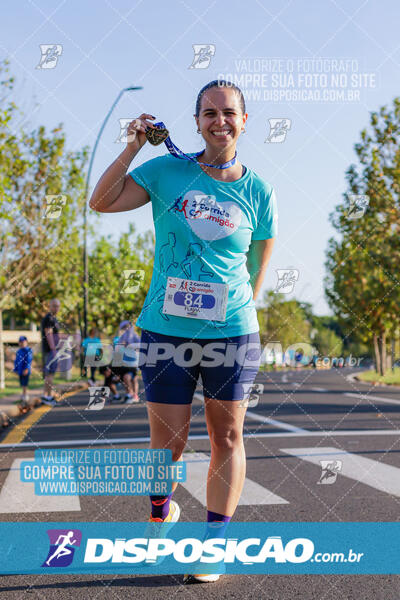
<point>196,299</point>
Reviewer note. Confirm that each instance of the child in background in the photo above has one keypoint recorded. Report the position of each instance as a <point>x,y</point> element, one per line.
<point>22,365</point>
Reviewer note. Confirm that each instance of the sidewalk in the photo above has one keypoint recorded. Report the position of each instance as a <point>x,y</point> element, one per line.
<point>11,407</point>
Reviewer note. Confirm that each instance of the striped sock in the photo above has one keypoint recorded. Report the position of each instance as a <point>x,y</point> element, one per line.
<point>160,506</point>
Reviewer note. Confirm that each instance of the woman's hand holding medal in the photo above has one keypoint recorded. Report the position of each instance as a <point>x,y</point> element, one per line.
<point>136,131</point>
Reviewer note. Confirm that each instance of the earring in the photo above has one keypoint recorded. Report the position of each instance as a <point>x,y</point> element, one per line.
<point>198,131</point>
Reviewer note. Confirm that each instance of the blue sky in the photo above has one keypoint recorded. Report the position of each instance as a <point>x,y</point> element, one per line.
<point>108,45</point>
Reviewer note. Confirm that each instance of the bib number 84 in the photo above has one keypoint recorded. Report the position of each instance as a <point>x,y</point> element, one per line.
<point>188,301</point>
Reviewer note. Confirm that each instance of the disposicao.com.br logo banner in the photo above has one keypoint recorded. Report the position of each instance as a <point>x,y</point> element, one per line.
<point>250,548</point>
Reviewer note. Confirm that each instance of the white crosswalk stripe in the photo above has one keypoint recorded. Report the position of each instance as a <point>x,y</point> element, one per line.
<point>374,473</point>
<point>197,464</point>
<point>17,496</point>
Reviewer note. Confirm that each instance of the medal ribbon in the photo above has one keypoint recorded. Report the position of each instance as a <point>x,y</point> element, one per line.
<point>174,150</point>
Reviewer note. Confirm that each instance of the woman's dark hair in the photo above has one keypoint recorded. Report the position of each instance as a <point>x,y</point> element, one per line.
<point>220,83</point>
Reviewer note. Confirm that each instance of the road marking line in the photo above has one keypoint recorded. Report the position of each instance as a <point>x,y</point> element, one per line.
<point>280,424</point>
<point>319,389</point>
<point>19,431</point>
<point>376,474</point>
<point>197,464</point>
<point>368,397</point>
<point>17,496</point>
<point>252,415</point>
<point>140,440</point>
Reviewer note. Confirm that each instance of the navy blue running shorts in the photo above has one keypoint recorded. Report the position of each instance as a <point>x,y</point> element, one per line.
<point>24,380</point>
<point>171,366</point>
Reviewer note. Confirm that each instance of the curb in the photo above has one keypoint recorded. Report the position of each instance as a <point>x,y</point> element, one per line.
<point>354,377</point>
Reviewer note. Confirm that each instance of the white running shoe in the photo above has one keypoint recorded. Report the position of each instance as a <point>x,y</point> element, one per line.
<point>206,578</point>
<point>48,401</point>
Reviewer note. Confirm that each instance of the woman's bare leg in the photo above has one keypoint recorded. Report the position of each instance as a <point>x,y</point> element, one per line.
<point>228,459</point>
<point>169,428</point>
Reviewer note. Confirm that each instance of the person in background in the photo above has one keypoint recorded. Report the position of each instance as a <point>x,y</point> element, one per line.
<point>110,380</point>
<point>298,358</point>
<point>90,347</point>
<point>50,329</point>
<point>22,365</point>
<point>128,374</point>
<point>114,375</point>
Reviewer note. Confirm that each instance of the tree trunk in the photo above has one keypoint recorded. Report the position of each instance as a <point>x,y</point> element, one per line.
<point>382,352</point>
<point>2,370</point>
<point>377,355</point>
<point>392,354</point>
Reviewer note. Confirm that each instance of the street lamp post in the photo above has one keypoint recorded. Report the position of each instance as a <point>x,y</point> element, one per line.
<point>85,212</point>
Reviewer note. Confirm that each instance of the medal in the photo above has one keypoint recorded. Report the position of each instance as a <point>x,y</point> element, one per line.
<point>161,134</point>
<point>157,136</point>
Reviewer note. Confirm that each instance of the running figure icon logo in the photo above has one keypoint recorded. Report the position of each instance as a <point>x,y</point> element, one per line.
<point>63,355</point>
<point>98,397</point>
<point>123,137</point>
<point>286,280</point>
<point>63,543</point>
<point>54,205</point>
<point>252,393</point>
<point>278,129</point>
<point>50,55</point>
<point>202,55</point>
<point>358,205</point>
<point>330,470</point>
<point>132,280</point>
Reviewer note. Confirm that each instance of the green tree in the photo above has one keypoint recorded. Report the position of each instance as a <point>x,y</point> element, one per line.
<point>327,342</point>
<point>283,321</point>
<point>37,175</point>
<point>110,300</point>
<point>362,282</point>
<point>41,207</point>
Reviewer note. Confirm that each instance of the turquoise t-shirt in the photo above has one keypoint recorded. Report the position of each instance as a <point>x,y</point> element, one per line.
<point>203,230</point>
<point>91,345</point>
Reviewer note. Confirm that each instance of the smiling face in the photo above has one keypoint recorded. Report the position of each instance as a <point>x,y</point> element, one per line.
<point>221,119</point>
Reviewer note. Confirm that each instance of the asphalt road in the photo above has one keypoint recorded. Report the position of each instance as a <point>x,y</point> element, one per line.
<point>301,416</point>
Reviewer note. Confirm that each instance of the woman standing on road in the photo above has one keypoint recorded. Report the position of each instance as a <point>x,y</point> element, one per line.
<point>215,222</point>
